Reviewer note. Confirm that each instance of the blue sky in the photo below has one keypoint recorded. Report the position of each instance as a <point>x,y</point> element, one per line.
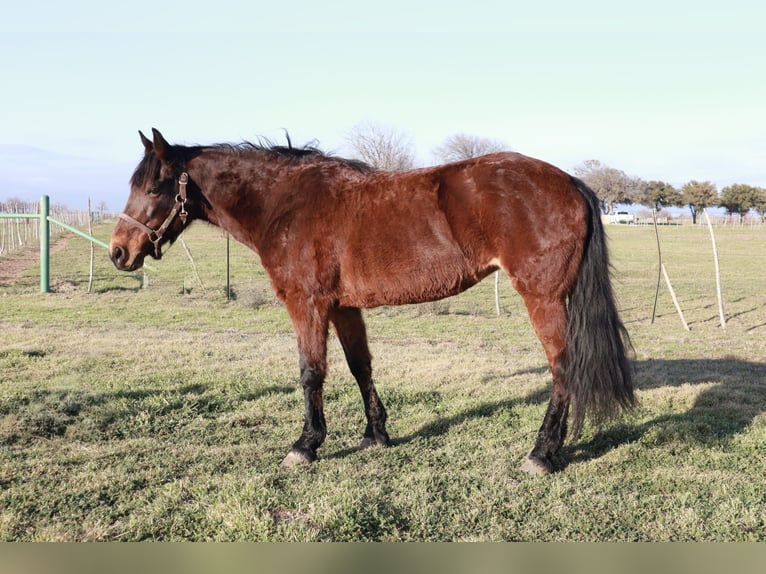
<point>662,90</point>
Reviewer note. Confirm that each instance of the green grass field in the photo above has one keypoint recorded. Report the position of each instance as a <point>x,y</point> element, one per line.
<point>163,413</point>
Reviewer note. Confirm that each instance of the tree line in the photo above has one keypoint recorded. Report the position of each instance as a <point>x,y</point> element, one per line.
<point>385,147</point>
<point>613,186</point>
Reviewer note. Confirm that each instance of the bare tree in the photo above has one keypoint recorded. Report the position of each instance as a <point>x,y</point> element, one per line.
<point>462,146</point>
<point>382,147</point>
<point>610,185</point>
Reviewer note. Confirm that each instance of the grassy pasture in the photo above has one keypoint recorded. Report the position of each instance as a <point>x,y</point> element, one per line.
<point>163,413</point>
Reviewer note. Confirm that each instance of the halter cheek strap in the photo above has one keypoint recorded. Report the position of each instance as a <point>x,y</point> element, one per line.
<point>179,209</point>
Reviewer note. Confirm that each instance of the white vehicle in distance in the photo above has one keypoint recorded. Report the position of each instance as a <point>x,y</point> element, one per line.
<point>621,217</point>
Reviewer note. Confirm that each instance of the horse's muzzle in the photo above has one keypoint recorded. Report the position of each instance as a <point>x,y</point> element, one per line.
<point>122,259</point>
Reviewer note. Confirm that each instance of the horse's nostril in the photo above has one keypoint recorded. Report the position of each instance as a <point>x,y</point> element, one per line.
<point>117,255</point>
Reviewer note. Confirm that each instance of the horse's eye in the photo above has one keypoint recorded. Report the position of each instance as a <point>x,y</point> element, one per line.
<point>153,190</point>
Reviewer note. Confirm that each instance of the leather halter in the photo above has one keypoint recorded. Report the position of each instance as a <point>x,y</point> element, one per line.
<point>179,209</point>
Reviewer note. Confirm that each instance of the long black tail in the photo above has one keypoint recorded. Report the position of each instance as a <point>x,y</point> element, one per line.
<point>598,371</point>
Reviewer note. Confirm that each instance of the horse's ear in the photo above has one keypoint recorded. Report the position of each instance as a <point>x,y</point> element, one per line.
<point>148,145</point>
<point>161,147</point>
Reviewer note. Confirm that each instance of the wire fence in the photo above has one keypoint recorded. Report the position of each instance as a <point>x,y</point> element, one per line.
<point>18,233</point>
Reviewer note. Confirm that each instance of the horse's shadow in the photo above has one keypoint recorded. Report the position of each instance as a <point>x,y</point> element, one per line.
<point>729,394</point>
<point>733,394</point>
<point>442,426</point>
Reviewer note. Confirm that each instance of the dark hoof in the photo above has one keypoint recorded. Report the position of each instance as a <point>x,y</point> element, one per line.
<point>297,458</point>
<point>537,465</point>
<point>371,441</point>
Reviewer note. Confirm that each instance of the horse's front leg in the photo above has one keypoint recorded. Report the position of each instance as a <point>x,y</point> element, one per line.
<point>310,324</point>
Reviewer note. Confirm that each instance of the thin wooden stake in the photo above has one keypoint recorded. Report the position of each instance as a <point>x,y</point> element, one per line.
<point>194,265</point>
<point>228,267</point>
<point>92,254</point>
<point>497,292</point>
<point>721,315</point>
<point>675,299</point>
<point>659,264</point>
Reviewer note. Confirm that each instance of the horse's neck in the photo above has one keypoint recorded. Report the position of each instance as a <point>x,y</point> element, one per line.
<point>236,187</point>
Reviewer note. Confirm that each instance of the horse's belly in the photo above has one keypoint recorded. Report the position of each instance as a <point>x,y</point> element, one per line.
<point>397,274</point>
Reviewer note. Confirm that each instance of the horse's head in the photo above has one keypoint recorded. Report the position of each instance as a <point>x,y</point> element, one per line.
<point>156,211</point>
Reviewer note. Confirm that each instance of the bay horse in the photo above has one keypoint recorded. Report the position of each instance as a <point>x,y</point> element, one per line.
<point>336,236</point>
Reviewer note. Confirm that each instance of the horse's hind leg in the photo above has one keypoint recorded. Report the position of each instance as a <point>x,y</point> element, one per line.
<point>549,318</point>
<point>349,326</point>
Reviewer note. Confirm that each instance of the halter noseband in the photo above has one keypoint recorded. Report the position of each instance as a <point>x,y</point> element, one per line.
<point>179,209</point>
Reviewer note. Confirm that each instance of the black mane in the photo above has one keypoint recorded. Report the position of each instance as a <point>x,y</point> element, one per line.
<point>308,151</point>
<point>149,167</point>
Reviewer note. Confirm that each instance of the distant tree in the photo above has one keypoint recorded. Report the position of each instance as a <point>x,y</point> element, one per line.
<point>462,146</point>
<point>698,195</point>
<point>759,205</point>
<point>102,206</point>
<point>382,147</point>
<point>658,194</point>
<point>610,185</point>
<point>738,198</point>
<point>13,203</point>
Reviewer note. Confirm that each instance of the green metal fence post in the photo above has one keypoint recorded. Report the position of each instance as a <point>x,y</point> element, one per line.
<point>45,267</point>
